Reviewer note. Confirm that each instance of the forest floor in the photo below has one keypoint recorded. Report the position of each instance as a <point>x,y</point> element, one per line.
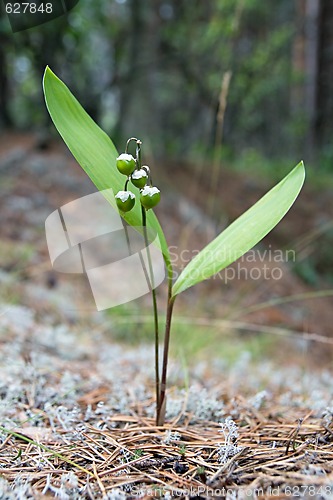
<point>250,400</point>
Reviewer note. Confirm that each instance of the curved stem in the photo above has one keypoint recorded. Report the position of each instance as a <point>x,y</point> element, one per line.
<point>156,326</point>
<point>150,179</point>
<point>129,140</point>
<point>138,154</point>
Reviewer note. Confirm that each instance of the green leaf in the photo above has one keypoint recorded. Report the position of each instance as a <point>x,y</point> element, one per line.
<point>92,148</point>
<point>243,233</point>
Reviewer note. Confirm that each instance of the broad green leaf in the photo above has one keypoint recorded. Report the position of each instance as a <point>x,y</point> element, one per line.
<point>92,148</point>
<point>243,233</point>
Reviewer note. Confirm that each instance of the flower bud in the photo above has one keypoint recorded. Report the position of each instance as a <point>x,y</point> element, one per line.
<point>139,178</point>
<point>126,164</point>
<point>125,200</point>
<point>150,197</point>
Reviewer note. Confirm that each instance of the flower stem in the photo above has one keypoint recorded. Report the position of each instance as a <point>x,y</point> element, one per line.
<point>160,417</point>
<point>128,142</point>
<point>155,311</point>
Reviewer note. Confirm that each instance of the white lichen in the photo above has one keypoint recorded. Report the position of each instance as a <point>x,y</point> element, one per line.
<point>171,436</point>
<point>230,433</point>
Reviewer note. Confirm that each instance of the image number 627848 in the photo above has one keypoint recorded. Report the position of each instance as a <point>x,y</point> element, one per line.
<point>23,15</point>
<point>29,8</point>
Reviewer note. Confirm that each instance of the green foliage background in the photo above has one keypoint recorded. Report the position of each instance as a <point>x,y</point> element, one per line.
<point>157,67</point>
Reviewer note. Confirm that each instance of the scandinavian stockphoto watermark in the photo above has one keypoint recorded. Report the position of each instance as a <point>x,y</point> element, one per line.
<point>256,264</point>
<point>88,236</point>
<point>25,14</point>
<point>239,493</point>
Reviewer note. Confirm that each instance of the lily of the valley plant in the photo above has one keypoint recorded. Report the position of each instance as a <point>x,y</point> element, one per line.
<point>97,155</point>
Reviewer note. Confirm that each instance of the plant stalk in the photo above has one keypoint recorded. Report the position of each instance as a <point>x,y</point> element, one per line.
<point>160,417</point>
<point>155,310</point>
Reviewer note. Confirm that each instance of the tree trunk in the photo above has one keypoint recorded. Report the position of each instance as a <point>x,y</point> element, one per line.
<point>128,88</point>
<point>324,84</point>
<point>5,119</point>
<point>305,62</point>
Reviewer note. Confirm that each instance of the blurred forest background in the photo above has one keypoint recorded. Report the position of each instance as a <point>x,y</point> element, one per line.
<point>226,95</point>
<point>168,69</point>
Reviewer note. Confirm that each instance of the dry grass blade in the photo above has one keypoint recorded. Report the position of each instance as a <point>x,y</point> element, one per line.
<point>44,448</point>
